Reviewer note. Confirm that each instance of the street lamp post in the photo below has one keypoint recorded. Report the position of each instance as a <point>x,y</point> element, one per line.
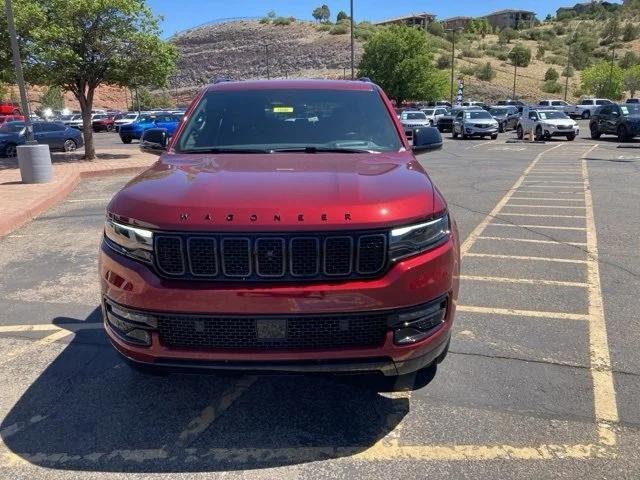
<point>566,81</point>
<point>353,74</point>
<point>453,57</point>
<point>266,50</point>
<point>515,73</point>
<point>13,39</point>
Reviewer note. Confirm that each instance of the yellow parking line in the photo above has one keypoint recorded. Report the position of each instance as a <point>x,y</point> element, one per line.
<point>466,245</point>
<point>564,182</point>
<point>605,406</point>
<point>540,215</point>
<point>528,205</point>
<point>33,346</point>
<point>579,194</point>
<point>555,199</point>
<point>28,328</point>
<point>531,281</point>
<point>550,227</point>
<point>548,186</point>
<point>522,313</point>
<point>524,257</point>
<point>527,240</point>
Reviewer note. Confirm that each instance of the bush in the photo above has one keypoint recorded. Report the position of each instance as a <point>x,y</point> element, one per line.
<point>468,70</point>
<point>560,29</point>
<point>551,86</point>
<point>520,55</point>
<point>323,27</point>
<point>630,32</point>
<point>339,29</point>
<point>364,30</point>
<point>443,62</point>
<point>628,60</point>
<point>502,56</point>
<point>282,21</point>
<point>265,20</point>
<point>485,72</point>
<point>551,74</point>
<point>436,28</point>
<point>556,60</point>
<point>471,53</point>
<point>540,52</point>
<point>506,35</point>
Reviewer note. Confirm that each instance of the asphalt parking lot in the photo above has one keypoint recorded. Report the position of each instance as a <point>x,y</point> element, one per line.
<point>542,380</point>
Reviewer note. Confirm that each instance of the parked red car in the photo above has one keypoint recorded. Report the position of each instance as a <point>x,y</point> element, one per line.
<point>287,227</point>
<point>11,118</point>
<point>105,123</point>
<point>9,108</point>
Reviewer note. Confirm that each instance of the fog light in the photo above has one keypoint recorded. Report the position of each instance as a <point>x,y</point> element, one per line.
<point>129,325</point>
<point>416,325</point>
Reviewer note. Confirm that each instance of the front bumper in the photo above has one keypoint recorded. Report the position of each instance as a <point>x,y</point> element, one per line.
<point>552,131</point>
<point>473,130</point>
<point>130,133</point>
<point>410,283</point>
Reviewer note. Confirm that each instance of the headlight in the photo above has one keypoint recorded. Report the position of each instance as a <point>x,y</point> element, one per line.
<point>131,241</point>
<point>406,241</point>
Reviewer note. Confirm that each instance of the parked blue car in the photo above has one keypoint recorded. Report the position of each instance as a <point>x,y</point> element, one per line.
<point>55,134</point>
<point>147,121</point>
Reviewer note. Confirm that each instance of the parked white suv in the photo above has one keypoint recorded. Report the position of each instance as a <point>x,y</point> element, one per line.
<point>586,107</point>
<point>434,114</point>
<point>553,104</point>
<point>546,123</point>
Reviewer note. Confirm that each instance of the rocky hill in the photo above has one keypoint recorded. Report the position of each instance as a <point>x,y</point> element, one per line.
<point>237,50</point>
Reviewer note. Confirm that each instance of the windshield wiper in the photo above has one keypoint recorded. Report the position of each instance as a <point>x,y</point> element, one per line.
<point>225,150</point>
<point>311,149</point>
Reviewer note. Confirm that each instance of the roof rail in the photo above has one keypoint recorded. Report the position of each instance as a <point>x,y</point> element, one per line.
<point>222,80</point>
<point>365,79</point>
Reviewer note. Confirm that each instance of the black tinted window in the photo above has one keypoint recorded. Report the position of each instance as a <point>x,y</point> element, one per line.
<point>278,118</point>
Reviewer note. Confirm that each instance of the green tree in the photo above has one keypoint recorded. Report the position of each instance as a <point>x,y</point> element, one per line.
<point>520,55</point>
<point>611,31</point>
<point>603,80</point>
<point>551,74</point>
<point>483,27</point>
<point>53,98</point>
<point>444,61</point>
<point>4,91</point>
<point>632,80</point>
<point>342,15</point>
<point>551,86</point>
<point>568,72</point>
<point>399,59</point>
<point>506,35</point>
<point>322,13</point>
<point>113,42</point>
<point>436,28</point>
<point>147,100</point>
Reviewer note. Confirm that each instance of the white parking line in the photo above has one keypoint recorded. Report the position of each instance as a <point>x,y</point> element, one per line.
<point>550,227</point>
<point>539,215</point>
<point>528,240</point>
<point>525,257</point>
<point>524,205</point>
<point>522,313</point>
<point>529,281</point>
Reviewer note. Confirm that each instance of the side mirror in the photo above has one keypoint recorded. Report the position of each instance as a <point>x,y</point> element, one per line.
<point>426,138</point>
<point>154,140</point>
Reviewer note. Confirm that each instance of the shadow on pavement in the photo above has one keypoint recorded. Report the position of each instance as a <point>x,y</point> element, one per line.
<point>88,411</point>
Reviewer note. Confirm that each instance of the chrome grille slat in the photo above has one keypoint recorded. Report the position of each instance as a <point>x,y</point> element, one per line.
<point>271,257</point>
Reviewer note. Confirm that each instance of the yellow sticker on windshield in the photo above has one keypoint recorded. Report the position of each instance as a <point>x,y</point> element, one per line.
<point>282,109</point>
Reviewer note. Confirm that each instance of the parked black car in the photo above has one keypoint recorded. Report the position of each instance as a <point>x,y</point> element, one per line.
<point>506,115</point>
<point>55,134</point>
<point>620,120</point>
<point>445,122</point>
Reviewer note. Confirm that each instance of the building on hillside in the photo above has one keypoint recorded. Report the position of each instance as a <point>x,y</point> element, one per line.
<point>456,22</point>
<point>413,19</point>
<point>511,18</point>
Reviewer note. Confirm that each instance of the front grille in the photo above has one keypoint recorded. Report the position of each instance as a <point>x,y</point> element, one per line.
<point>271,257</point>
<point>565,127</point>
<point>242,333</point>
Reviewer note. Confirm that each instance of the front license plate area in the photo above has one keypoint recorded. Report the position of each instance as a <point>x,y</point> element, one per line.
<point>271,329</point>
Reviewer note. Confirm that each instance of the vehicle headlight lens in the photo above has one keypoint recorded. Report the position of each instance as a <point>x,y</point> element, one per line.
<point>131,241</point>
<point>406,241</point>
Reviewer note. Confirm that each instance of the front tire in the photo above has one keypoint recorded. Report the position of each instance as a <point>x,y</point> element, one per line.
<point>70,145</point>
<point>409,381</point>
<point>538,135</point>
<point>586,115</point>
<point>454,134</point>
<point>571,137</point>
<point>10,151</point>
<point>623,136</point>
<point>519,132</point>
<point>126,140</point>
<point>494,136</point>
<point>501,127</point>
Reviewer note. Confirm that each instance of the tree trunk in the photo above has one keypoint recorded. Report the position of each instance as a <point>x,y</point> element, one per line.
<point>85,98</point>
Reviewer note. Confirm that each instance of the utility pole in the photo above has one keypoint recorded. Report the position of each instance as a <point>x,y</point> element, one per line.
<point>613,57</point>
<point>353,74</point>
<point>266,50</point>
<point>453,58</point>
<point>344,73</point>
<point>515,73</point>
<point>13,39</point>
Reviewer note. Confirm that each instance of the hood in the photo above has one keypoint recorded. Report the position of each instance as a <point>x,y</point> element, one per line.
<point>500,115</point>
<point>415,121</point>
<point>633,118</point>
<point>271,192</point>
<point>483,121</point>
<point>558,121</point>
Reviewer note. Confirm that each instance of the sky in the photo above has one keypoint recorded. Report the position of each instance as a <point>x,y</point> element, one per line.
<point>183,14</point>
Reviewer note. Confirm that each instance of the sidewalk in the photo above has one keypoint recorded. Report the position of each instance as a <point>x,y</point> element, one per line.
<point>20,203</point>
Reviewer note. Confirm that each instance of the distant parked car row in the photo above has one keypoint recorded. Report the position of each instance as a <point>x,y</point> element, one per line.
<point>55,134</point>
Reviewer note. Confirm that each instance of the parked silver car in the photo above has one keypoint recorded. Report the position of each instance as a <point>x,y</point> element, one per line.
<point>475,123</point>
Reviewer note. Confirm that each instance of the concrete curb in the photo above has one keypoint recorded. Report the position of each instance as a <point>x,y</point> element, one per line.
<point>14,221</point>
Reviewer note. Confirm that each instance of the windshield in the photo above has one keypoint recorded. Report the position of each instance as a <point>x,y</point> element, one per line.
<point>498,111</point>
<point>281,119</point>
<point>414,116</point>
<point>12,127</point>
<point>551,115</point>
<point>630,109</point>
<point>147,118</point>
<point>428,112</point>
<point>131,116</point>
<point>476,114</point>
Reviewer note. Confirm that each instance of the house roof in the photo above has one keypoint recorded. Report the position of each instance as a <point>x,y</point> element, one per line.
<point>406,17</point>
<point>457,18</point>
<point>508,10</point>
